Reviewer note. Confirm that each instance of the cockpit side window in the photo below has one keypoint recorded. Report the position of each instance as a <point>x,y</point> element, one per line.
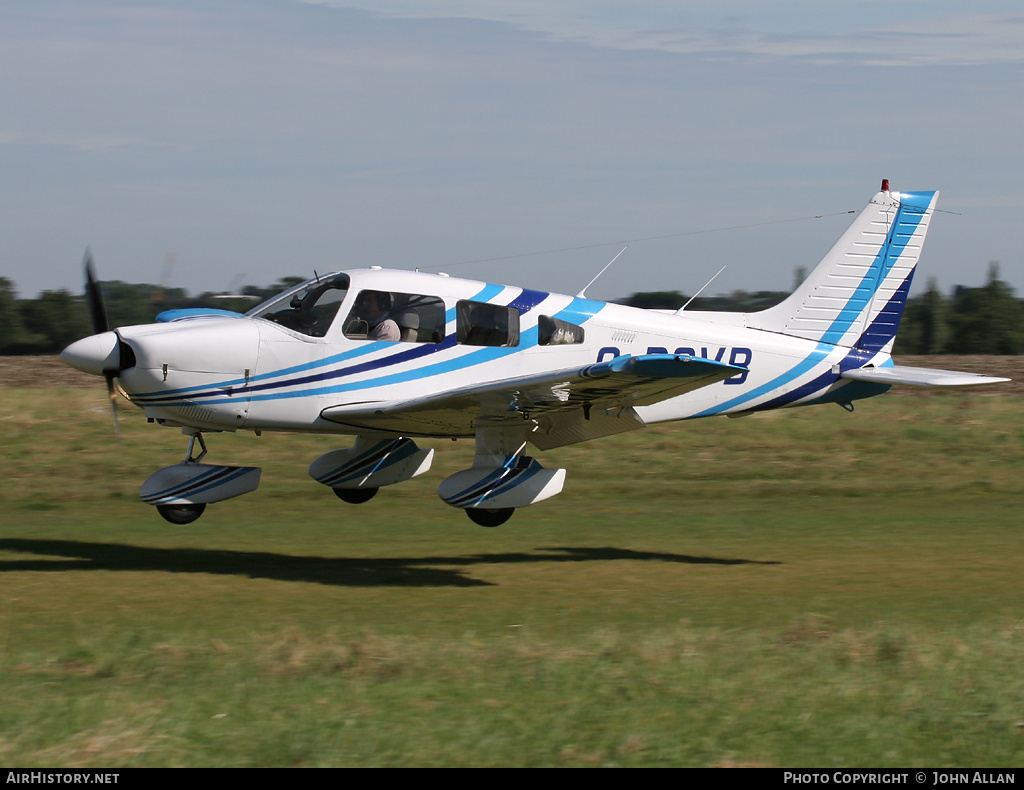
<point>309,308</point>
<point>392,316</point>
<point>482,324</point>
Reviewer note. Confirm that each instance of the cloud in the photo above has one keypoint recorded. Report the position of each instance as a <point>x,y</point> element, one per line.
<point>84,143</point>
<point>890,33</point>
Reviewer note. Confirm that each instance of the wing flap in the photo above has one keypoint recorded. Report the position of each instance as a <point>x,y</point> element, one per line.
<point>559,403</point>
<point>921,377</point>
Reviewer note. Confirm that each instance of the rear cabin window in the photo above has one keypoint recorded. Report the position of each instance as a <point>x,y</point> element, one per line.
<point>556,332</point>
<point>396,317</point>
<point>482,324</point>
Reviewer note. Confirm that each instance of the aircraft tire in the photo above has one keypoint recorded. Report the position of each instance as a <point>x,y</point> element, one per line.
<point>355,496</point>
<point>181,514</point>
<point>486,517</point>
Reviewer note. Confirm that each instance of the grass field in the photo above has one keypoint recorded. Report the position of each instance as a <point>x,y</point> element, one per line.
<point>799,588</point>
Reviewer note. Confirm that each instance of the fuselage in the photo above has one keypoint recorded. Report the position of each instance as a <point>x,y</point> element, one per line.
<point>281,365</point>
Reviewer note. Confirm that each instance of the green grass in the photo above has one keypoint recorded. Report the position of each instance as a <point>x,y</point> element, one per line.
<point>800,588</point>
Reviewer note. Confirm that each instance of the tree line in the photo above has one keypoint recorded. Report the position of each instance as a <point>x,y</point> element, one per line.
<point>54,319</point>
<point>985,320</point>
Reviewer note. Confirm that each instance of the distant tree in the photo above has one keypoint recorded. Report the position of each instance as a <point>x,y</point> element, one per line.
<point>762,300</point>
<point>238,303</point>
<point>128,304</point>
<point>11,331</point>
<point>53,320</point>
<point>656,300</point>
<point>262,292</point>
<point>737,301</point>
<point>986,320</point>
<point>924,328</point>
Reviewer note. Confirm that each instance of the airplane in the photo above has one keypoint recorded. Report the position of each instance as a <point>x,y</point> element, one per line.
<point>392,356</point>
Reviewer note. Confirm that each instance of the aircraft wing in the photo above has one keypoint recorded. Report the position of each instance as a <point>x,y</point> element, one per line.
<point>564,407</point>
<point>924,377</point>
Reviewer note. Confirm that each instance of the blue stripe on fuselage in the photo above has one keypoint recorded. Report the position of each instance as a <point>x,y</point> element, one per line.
<point>577,311</point>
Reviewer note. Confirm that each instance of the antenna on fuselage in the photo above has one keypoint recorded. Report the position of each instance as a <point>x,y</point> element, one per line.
<point>582,294</point>
<point>699,292</point>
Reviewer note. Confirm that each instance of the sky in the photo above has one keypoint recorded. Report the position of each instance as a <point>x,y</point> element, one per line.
<point>206,143</point>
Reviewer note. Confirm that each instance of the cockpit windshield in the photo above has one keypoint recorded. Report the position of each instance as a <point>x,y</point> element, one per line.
<point>308,308</point>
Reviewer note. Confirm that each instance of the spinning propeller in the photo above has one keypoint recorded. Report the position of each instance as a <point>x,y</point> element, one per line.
<point>102,353</point>
<point>98,313</point>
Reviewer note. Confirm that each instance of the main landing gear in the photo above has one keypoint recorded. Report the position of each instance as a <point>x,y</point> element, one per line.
<point>181,514</point>
<point>355,496</point>
<point>355,474</point>
<point>489,517</point>
<point>501,479</point>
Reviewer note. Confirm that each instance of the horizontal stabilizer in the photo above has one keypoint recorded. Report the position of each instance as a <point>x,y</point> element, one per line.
<point>922,377</point>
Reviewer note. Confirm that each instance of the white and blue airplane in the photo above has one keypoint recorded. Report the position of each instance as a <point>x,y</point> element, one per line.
<point>391,356</point>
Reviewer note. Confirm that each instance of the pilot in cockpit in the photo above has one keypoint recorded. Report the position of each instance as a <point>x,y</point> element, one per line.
<point>373,307</point>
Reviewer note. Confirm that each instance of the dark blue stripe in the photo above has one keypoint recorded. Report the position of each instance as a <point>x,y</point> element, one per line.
<point>864,349</point>
<point>528,300</point>
<point>391,454</point>
<point>200,484</point>
<point>212,474</point>
<point>509,479</point>
<point>883,327</point>
<point>504,478</point>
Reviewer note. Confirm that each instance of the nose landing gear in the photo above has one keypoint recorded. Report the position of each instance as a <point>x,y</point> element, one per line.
<point>181,492</point>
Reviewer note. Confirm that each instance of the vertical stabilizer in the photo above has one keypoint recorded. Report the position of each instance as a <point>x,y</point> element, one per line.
<point>855,296</point>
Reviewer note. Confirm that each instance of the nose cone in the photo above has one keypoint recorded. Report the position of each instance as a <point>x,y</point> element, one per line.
<point>93,354</point>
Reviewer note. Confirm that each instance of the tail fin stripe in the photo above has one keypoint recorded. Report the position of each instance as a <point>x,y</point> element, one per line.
<point>897,255</point>
<point>841,296</point>
<point>905,225</point>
